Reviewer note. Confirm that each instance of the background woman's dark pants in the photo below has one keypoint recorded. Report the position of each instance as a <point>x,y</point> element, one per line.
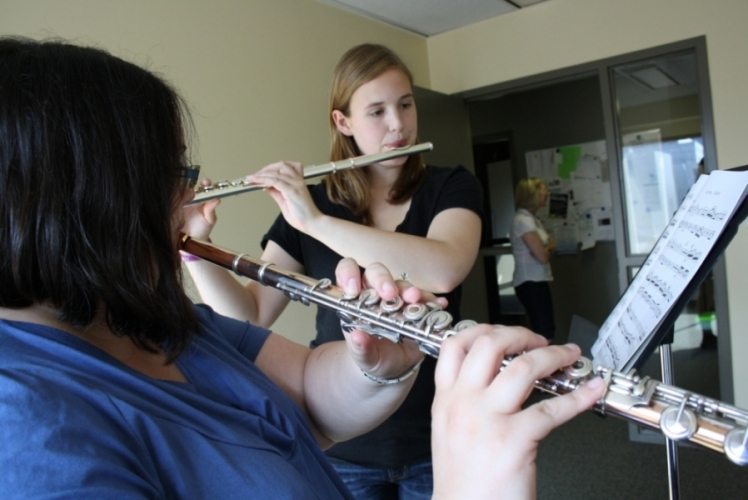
<point>535,296</point>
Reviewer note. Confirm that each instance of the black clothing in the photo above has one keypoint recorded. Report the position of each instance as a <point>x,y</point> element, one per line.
<point>405,436</point>
<point>536,298</point>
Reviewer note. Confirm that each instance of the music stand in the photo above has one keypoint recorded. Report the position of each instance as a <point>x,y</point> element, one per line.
<point>657,338</point>
<point>663,336</point>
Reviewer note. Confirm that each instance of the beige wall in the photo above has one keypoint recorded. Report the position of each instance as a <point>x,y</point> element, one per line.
<point>562,33</point>
<point>255,74</point>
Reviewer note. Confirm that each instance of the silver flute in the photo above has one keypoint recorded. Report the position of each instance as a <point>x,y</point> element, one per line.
<point>222,189</point>
<point>677,413</point>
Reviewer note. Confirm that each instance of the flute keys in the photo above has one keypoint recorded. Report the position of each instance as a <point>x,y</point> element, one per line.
<point>579,369</point>
<point>322,284</point>
<point>369,297</point>
<point>438,320</point>
<point>215,185</point>
<point>465,323</point>
<point>678,423</point>
<point>415,312</point>
<point>735,446</point>
<point>392,305</point>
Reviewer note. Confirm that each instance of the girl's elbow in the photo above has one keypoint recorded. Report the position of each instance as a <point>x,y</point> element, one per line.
<point>447,283</point>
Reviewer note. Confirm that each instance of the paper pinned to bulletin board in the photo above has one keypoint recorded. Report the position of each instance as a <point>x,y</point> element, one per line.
<point>579,210</point>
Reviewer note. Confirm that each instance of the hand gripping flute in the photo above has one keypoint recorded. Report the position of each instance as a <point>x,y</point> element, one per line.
<point>677,413</point>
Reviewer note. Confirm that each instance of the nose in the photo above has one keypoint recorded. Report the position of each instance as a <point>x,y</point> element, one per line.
<point>395,121</point>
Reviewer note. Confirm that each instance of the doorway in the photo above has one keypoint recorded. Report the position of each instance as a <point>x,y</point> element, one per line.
<point>562,115</point>
<point>609,102</point>
<point>493,167</point>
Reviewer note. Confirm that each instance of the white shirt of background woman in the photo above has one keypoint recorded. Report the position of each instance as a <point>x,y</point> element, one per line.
<point>527,267</point>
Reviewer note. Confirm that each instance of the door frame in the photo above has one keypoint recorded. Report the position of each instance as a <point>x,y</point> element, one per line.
<point>602,69</point>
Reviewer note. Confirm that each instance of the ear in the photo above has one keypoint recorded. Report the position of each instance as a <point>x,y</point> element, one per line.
<point>341,122</point>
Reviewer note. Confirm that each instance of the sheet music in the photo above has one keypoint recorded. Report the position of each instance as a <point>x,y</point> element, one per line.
<point>677,255</point>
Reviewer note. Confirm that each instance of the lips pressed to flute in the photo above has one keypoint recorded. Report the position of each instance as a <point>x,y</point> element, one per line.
<point>677,413</point>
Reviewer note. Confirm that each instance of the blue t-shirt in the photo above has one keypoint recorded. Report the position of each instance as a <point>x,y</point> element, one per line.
<point>76,423</point>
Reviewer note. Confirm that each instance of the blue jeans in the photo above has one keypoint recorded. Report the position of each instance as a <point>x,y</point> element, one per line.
<point>409,482</point>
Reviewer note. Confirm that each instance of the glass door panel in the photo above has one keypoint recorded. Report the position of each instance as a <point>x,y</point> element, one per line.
<point>659,124</point>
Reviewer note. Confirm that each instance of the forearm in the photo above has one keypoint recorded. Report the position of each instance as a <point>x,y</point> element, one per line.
<point>222,291</point>
<point>505,483</point>
<point>340,400</point>
<point>434,263</point>
<point>542,256</point>
<point>539,250</point>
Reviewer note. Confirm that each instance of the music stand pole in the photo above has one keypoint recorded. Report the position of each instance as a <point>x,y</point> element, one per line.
<point>671,447</point>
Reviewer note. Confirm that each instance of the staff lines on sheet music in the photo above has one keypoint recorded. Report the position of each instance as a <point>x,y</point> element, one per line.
<point>683,247</point>
<point>633,319</point>
<point>697,230</point>
<point>624,332</point>
<point>651,302</point>
<point>661,285</point>
<point>613,352</point>
<point>689,251</point>
<point>680,270</point>
<point>710,212</point>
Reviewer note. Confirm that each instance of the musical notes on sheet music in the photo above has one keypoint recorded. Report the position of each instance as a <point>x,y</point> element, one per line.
<point>680,270</point>
<point>711,212</point>
<point>687,251</point>
<point>662,286</point>
<point>697,230</point>
<point>677,255</point>
<point>648,299</point>
<point>611,353</point>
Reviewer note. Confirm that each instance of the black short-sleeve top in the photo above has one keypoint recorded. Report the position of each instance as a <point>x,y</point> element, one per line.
<point>405,436</point>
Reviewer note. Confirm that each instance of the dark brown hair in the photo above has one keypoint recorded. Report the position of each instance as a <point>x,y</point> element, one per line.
<point>90,153</point>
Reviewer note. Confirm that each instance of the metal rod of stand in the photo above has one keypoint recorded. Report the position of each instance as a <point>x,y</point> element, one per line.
<point>671,447</point>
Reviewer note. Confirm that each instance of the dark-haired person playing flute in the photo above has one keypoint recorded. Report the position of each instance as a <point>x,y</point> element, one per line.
<point>114,385</point>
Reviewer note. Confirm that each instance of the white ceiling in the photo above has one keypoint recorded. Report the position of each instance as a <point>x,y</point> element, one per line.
<point>430,17</point>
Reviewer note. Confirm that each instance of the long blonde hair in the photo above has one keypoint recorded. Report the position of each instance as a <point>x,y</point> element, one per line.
<point>350,188</point>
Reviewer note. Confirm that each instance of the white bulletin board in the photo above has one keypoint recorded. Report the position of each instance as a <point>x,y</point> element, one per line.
<point>579,211</point>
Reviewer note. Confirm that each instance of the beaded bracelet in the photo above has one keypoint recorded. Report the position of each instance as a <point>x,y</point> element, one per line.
<point>389,381</point>
<point>188,257</point>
